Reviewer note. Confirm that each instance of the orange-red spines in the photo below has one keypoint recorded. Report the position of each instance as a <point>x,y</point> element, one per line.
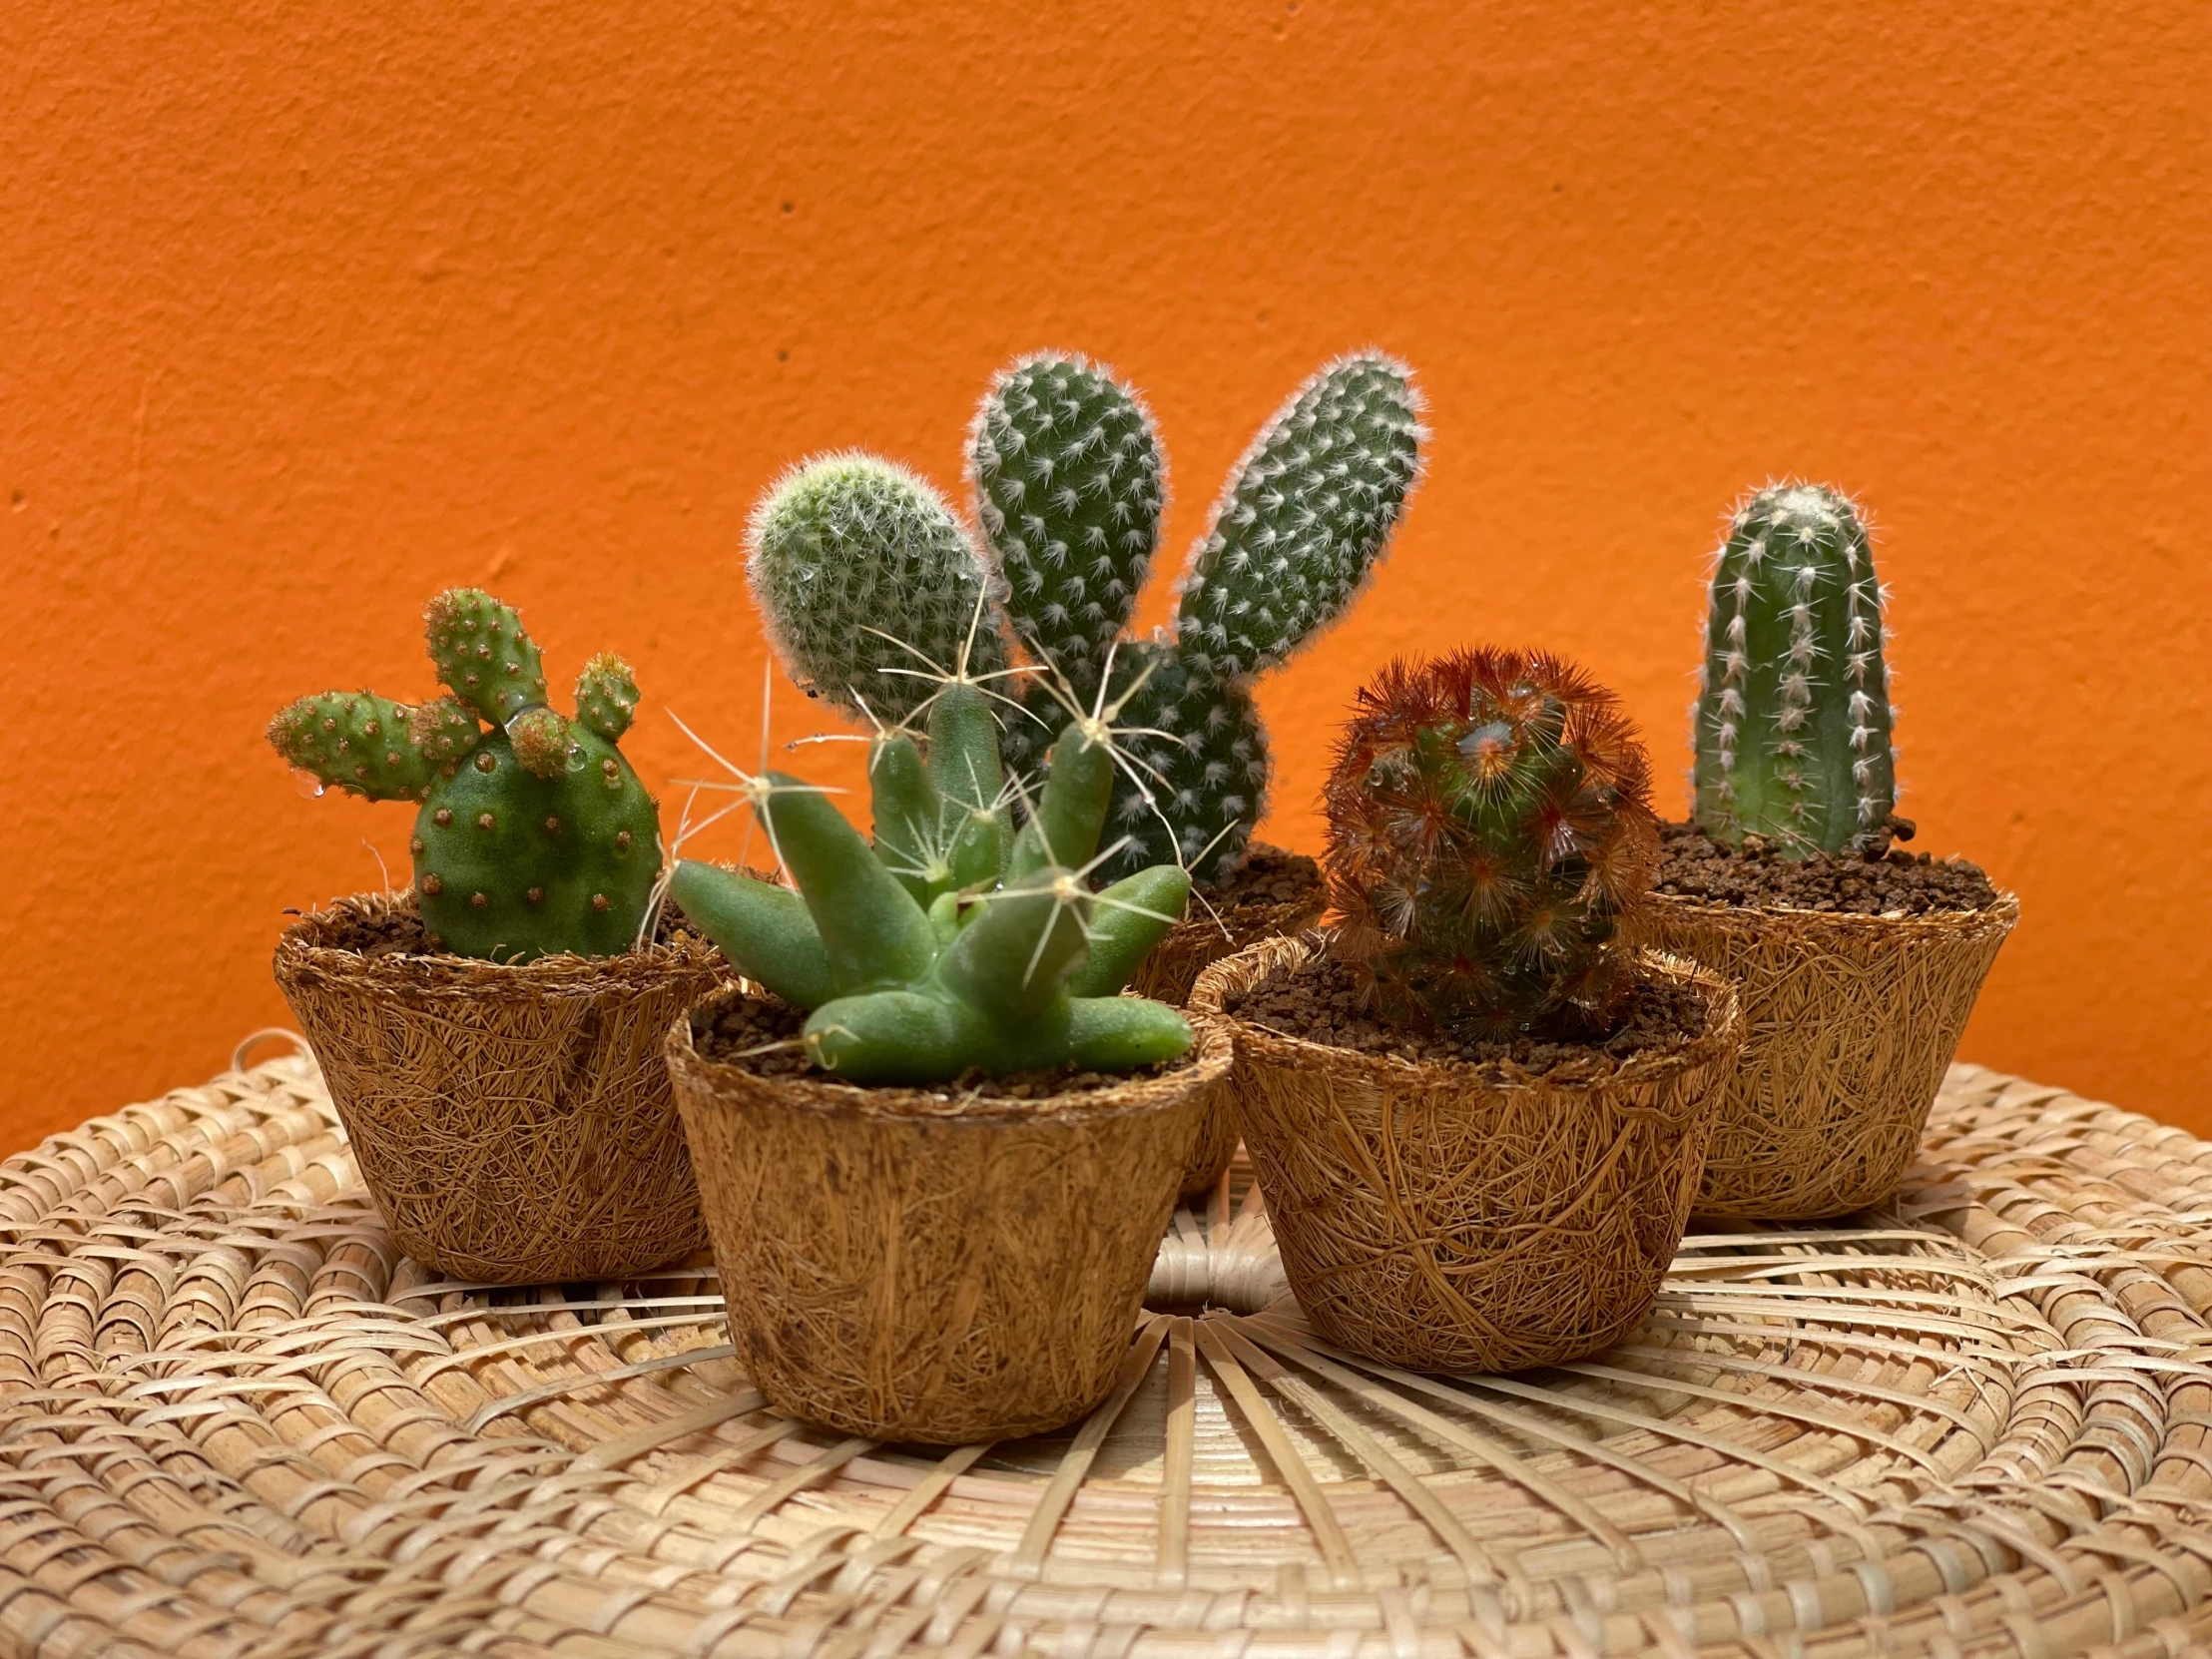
<point>1491,827</point>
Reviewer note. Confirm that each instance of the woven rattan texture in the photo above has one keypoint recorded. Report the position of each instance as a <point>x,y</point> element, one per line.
<point>514,1121</point>
<point>1850,1021</point>
<point>234,1422</point>
<point>1440,1223</point>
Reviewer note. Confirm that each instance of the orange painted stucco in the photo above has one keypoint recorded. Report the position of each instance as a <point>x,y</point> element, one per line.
<point>309,310</point>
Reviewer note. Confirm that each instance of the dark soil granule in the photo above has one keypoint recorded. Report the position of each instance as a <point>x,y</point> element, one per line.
<point>1757,877</point>
<point>761,1034</point>
<point>1269,876</point>
<point>1323,1003</point>
<point>400,932</point>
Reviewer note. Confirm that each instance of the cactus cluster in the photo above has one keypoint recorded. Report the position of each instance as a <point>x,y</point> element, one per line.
<point>1793,716</point>
<point>952,942</point>
<point>533,836</point>
<point>1489,835</point>
<point>1068,483</point>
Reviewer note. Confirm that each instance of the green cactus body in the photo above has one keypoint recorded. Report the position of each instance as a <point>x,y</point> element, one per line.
<point>1793,717</point>
<point>531,840</point>
<point>1069,482</point>
<point>848,549</point>
<point>1489,831</point>
<point>1304,516</point>
<point>916,984</point>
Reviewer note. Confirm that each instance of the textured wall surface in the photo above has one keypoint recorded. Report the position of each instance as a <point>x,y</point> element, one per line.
<point>311,309</point>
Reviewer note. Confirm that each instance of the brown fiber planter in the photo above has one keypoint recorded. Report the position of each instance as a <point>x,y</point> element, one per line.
<point>906,1266</point>
<point>1432,1219</point>
<point>513,1122</point>
<point>1195,945</point>
<point>1850,1022</point>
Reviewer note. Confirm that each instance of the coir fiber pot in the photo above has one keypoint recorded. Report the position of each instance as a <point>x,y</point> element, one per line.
<point>1850,1024</point>
<point>908,1265</point>
<point>513,1122</point>
<point>1294,900</point>
<point>1436,1219</point>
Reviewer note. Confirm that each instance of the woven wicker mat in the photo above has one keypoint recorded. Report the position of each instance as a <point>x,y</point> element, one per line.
<point>235,1424</point>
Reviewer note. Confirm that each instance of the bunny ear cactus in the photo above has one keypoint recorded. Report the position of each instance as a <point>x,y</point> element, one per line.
<point>1069,485</point>
<point>948,945</point>
<point>868,584</point>
<point>534,837</point>
<point>1794,718</point>
<point>1489,835</point>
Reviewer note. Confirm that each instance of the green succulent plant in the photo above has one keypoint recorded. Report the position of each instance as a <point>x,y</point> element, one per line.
<point>533,836</point>
<point>952,942</point>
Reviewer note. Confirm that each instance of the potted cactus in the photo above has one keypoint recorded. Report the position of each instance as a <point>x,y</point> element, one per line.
<point>1477,1113</point>
<point>937,1148</point>
<point>864,585</point>
<point>490,1036</point>
<point>1858,963</point>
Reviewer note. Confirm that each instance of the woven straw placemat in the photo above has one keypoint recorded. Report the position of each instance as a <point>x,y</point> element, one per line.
<point>232,1422</point>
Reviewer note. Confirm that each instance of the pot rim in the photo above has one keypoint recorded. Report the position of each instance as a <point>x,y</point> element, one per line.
<point>302,958</point>
<point>861,1103</point>
<point>2002,913</point>
<point>1723,1032</point>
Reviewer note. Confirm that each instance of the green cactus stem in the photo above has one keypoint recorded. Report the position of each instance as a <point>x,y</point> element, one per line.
<point>1489,833</point>
<point>1793,717</point>
<point>533,838</point>
<point>1064,456</point>
<point>869,583</point>
<point>918,960</point>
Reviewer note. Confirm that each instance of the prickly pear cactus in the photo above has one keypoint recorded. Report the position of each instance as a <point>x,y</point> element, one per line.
<point>869,583</point>
<point>1794,718</point>
<point>534,836</point>
<point>1490,832</point>
<point>1069,482</point>
<point>1306,516</point>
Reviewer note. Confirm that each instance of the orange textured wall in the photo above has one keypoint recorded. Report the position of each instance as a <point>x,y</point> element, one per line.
<point>311,309</point>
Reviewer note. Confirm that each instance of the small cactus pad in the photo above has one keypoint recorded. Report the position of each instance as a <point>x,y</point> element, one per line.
<point>512,864</point>
<point>354,740</point>
<point>1489,831</point>
<point>1069,483</point>
<point>446,730</point>
<point>1793,717</point>
<point>848,549</point>
<point>607,695</point>
<point>1306,516</point>
<point>482,652</point>
<point>532,841</point>
<point>540,739</point>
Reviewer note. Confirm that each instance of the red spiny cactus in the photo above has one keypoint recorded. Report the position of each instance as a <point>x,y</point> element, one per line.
<point>1489,829</point>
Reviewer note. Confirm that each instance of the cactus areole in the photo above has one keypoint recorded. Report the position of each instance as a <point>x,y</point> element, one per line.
<point>952,942</point>
<point>534,837</point>
<point>1794,716</point>
<point>1490,832</point>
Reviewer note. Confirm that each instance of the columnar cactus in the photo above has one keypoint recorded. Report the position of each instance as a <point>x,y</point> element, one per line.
<point>1793,719</point>
<point>534,837</point>
<point>1068,485</point>
<point>951,943</point>
<point>1489,833</point>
